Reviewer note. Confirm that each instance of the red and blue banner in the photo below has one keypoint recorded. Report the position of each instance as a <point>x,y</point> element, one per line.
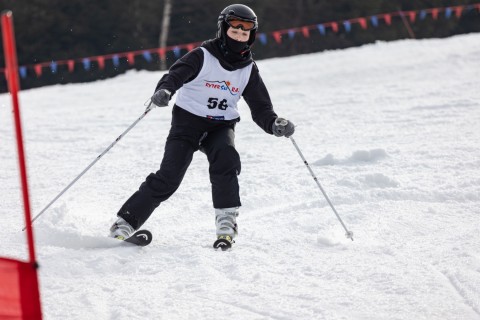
<point>278,36</point>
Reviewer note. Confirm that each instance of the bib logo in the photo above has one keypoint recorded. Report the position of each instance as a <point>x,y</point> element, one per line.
<point>222,85</point>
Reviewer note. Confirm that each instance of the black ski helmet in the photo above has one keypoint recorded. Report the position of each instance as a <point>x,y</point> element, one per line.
<point>239,12</point>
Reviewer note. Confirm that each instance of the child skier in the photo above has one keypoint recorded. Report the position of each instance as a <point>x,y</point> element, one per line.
<point>210,81</point>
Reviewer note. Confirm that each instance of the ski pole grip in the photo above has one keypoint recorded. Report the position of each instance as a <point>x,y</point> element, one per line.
<point>281,122</point>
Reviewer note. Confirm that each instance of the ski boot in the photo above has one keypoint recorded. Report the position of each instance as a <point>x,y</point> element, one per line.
<point>121,229</point>
<point>227,228</point>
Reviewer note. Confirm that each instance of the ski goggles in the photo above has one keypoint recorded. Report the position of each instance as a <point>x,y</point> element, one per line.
<point>237,23</point>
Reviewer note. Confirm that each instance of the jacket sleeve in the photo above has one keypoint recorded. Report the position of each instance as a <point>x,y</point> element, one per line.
<point>182,71</point>
<point>258,100</point>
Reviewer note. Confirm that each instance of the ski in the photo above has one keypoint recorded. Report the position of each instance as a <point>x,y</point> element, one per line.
<point>223,242</point>
<point>140,238</point>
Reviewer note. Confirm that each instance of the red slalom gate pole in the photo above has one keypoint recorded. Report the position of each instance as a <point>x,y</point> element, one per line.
<point>28,292</point>
<point>14,86</point>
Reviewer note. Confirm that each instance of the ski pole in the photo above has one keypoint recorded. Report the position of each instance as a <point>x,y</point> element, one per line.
<point>149,107</point>
<point>348,234</point>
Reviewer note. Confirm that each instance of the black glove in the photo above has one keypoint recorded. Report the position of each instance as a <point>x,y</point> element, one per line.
<point>161,98</point>
<point>282,127</point>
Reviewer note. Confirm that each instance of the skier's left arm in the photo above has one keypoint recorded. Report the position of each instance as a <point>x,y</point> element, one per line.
<point>257,97</point>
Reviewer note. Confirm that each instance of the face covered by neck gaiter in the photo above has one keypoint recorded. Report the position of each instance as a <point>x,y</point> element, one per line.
<point>236,46</point>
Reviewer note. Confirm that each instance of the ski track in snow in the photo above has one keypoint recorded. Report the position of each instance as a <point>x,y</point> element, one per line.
<point>391,132</point>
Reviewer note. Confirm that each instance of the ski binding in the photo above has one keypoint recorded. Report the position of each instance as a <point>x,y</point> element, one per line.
<point>140,238</point>
<point>223,242</point>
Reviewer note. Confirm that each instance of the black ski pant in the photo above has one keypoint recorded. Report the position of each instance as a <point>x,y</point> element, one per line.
<point>188,134</point>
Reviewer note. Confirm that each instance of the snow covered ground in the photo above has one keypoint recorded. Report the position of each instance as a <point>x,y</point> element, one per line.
<point>390,129</point>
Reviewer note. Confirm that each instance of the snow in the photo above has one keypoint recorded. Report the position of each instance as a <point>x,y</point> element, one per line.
<point>390,130</point>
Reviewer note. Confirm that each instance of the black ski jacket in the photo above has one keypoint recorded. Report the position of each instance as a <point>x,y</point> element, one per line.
<point>255,94</point>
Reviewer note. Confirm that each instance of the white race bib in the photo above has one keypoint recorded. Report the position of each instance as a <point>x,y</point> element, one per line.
<point>215,92</point>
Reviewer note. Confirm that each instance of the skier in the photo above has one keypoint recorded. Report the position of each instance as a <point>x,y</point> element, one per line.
<point>210,80</point>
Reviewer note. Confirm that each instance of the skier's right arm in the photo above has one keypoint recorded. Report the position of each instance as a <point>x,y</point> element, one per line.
<point>182,71</point>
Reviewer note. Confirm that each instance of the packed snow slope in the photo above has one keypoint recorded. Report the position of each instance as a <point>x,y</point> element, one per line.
<point>391,131</point>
